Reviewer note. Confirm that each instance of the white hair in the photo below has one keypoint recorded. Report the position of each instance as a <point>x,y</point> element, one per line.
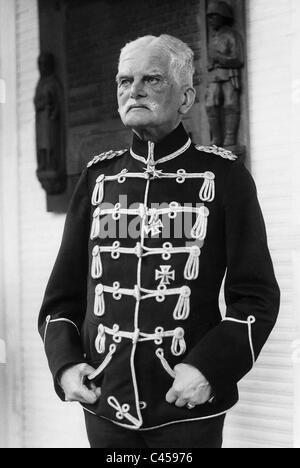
<point>181,55</point>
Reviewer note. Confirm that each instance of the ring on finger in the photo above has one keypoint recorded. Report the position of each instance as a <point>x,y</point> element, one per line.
<point>190,405</point>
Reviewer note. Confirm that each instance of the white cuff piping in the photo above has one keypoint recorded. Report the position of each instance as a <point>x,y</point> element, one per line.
<point>249,322</point>
<point>49,320</point>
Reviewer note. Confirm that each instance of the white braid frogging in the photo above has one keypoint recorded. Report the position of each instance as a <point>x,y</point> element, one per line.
<point>206,194</point>
<point>151,215</point>
<point>123,411</point>
<point>178,345</point>
<point>181,311</point>
<point>191,271</point>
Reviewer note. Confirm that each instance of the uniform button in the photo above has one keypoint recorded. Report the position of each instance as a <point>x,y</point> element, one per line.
<point>204,211</point>
<point>210,175</point>
<point>96,250</point>
<point>143,405</point>
<point>100,178</point>
<point>96,212</point>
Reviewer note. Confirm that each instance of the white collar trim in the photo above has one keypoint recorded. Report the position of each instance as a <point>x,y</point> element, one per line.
<point>165,158</point>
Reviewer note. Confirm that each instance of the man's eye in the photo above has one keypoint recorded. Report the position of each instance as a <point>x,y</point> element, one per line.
<point>124,83</point>
<point>153,80</point>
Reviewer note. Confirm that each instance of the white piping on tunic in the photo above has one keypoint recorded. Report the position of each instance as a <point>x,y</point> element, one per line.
<point>49,320</point>
<point>169,157</point>
<point>138,300</point>
<point>212,416</point>
<point>250,321</point>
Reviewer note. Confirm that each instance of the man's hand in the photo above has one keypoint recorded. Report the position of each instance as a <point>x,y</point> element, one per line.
<point>72,383</point>
<point>189,386</point>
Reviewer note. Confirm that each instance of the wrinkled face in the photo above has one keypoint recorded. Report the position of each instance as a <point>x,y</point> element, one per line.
<point>148,97</point>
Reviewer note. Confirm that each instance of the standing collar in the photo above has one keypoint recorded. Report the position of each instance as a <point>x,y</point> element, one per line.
<point>169,148</point>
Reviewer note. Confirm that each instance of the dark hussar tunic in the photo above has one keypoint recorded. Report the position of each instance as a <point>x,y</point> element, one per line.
<point>135,303</point>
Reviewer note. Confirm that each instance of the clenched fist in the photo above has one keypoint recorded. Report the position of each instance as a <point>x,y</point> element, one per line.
<point>189,386</point>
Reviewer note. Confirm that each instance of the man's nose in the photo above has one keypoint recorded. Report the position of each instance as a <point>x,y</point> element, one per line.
<point>137,89</point>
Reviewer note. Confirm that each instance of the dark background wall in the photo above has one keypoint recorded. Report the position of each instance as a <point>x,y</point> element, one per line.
<point>95,32</point>
<point>86,37</point>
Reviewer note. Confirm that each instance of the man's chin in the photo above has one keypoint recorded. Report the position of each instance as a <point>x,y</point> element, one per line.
<point>134,122</point>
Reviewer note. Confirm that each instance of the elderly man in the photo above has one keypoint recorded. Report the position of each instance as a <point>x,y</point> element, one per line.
<point>131,324</point>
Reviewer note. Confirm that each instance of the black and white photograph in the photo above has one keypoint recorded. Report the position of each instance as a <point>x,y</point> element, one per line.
<point>149,226</point>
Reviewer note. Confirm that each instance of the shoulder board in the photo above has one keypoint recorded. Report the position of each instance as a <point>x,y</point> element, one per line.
<point>106,156</point>
<point>225,154</point>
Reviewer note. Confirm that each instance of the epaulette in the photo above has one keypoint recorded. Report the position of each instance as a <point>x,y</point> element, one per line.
<point>225,154</point>
<point>106,156</point>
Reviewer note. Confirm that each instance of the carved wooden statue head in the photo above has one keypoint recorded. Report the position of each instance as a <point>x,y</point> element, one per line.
<point>219,14</point>
<point>46,64</point>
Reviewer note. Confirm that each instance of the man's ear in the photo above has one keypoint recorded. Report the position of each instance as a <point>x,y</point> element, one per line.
<point>188,99</point>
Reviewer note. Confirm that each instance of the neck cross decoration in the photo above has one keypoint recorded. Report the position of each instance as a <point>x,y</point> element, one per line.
<point>165,275</point>
<point>155,173</point>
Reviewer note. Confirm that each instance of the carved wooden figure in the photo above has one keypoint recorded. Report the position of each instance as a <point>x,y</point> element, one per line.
<point>225,61</point>
<point>49,127</point>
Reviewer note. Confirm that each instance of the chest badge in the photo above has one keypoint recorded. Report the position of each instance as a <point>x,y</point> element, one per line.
<point>154,226</point>
<point>165,275</point>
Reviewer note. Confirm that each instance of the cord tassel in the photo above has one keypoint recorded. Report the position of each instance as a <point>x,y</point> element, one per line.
<point>112,350</point>
<point>95,231</point>
<point>161,356</point>
<point>178,343</point>
<point>97,269</point>
<point>98,192</point>
<point>100,339</point>
<point>191,271</point>
<point>182,309</point>
<point>207,192</point>
<point>199,229</point>
<point>99,306</point>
